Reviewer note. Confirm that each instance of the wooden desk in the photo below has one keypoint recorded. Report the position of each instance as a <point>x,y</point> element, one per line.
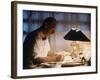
<point>57,64</point>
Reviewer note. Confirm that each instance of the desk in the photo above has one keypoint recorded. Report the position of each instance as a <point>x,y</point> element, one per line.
<point>57,64</point>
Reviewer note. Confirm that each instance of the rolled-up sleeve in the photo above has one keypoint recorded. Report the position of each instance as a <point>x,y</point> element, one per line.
<point>41,48</point>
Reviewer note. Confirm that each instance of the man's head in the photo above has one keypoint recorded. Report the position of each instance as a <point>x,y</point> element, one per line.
<point>49,25</point>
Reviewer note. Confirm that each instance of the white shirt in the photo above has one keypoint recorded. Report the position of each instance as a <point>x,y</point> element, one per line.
<point>41,47</point>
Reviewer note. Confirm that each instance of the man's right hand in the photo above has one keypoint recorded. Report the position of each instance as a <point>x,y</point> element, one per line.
<point>59,57</point>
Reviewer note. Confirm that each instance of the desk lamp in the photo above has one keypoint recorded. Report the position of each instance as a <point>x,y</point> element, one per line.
<point>75,35</point>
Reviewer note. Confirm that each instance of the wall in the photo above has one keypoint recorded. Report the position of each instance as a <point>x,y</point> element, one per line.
<point>5,40</point>
<point>65,21</point>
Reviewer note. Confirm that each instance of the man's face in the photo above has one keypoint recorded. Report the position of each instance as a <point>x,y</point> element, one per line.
<point>52,29</point>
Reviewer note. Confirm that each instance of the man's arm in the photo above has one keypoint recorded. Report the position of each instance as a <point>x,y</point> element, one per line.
<point>53,58</point>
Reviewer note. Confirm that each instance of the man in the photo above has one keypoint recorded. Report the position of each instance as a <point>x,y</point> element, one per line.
<point>36,45</point>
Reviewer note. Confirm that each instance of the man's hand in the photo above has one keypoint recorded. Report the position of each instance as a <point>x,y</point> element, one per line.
<point>59,57</point>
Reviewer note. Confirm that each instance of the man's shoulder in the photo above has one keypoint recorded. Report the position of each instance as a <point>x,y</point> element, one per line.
<point>33,34</point>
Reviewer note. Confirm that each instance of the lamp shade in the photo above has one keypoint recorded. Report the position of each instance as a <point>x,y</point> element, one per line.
<point>75,35</point>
